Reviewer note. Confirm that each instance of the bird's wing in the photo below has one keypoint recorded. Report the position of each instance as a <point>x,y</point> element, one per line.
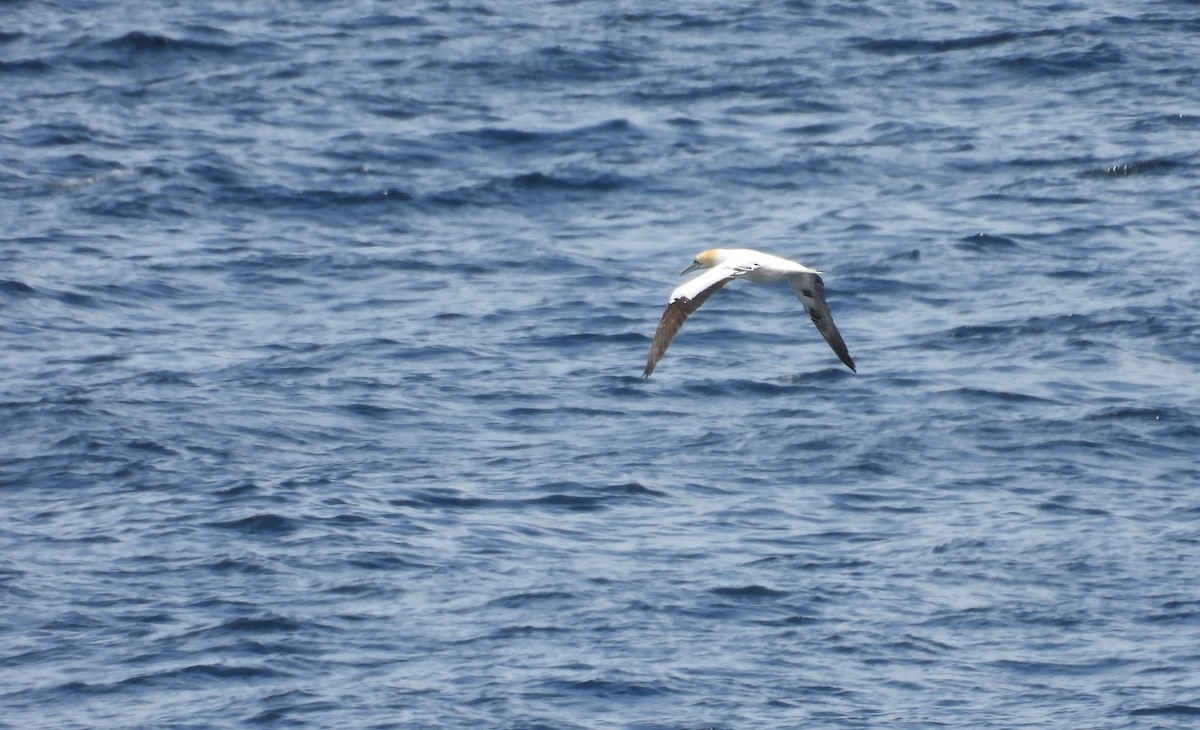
<point>811,291</point>
<point>686,299</point>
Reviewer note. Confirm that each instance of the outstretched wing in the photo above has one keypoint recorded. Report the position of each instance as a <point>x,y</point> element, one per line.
<point>686,299</point>
<point>811,291</point>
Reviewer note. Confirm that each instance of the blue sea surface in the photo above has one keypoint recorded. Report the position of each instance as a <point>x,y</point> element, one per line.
<point>322,334</point>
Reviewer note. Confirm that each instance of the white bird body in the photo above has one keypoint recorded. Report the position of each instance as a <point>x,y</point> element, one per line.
<point>725,265</point>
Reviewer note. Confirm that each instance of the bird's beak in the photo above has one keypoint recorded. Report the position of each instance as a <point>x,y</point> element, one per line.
<point>695,265</point>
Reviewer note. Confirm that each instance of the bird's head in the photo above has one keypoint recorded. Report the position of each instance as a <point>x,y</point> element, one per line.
<point>705,260</point>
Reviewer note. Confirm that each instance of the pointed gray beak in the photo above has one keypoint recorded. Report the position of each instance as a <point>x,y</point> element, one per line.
<point>695,265</point>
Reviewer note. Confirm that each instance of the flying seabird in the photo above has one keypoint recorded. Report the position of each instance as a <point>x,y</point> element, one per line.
<point>725,265</point>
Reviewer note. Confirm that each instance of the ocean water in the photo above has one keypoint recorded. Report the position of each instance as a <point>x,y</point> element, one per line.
<point>323,327</point>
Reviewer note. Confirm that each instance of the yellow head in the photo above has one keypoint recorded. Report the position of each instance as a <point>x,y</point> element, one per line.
<point>705,260</point>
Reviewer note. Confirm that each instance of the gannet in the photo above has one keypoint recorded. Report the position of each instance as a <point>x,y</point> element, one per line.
<point>725,265</point>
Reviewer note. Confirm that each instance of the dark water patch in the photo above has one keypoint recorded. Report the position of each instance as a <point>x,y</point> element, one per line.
<point>77,688</point>
<point>798,383</point>
<point>1058,669</point>
<point>1062,325</point>
<point>819,129</point>
<point>260,524</point>
<point>360,589</point>
<point>1184,430</point>
<point>346,265</point>
<point>523,600</point>
<point>987,243</point>
<point>753,592</point>
<point>1124,413</point>
<point>157,52</point>
<point>350,520</point>
<point>376,412</point>
<point>76,299</point>
<point>296,707</point>
<point>551,65</point>
<point>916,46</point>
<point>1048,162</point>
<point>78,172</point>
<point>910,256</point>
<point>571,502</point>
<point>14,288</point>
<point>1073,274</point>
<point>673,92</point>
<point>1091,448</point>
<point>537,181</point>
<point>509,633</point>
<point>131,296</point>
<point>1065,504</point>
<point>159,379</point>
<point>259,625</point>
<point>922,645</point>
<point>386,20</point>
<point>1182,120</point>
<point>779,176</point>
<point>491,137</point>
<point>582,339</point>
<point>872,502</point>
<point>451,499</point>
<point>1177,610</point>
<point>677,21</point>
<point>790,621</point>
<point>58,134</point>
<point>533,187</point>
<point>971,546</point>
<point>987,395</point>
<point>151,447</point>
<point>608,688</point>
<point>199,672</point>
<point>73,621</point>
<point>220,172</point>
<point>1098,57</point>
<point>606,61</point>
<point>384,561</point>
<point>139,42</point>
<point>895,133</point>
<point>893,288</point>
<point>239,567</point>
<point>871,469</point>
<point>243,489</point>
<point>1166,711</point>
<point>29,66</point>
<point>568,496</point>
<point>134,204</point>
<point>396,109</point>
<point>1035,200</point>
<point>316,202</point>
<point>1157,165</point>
<point>523,142</point>
<point>633,490</point>
<point>981,332</point>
